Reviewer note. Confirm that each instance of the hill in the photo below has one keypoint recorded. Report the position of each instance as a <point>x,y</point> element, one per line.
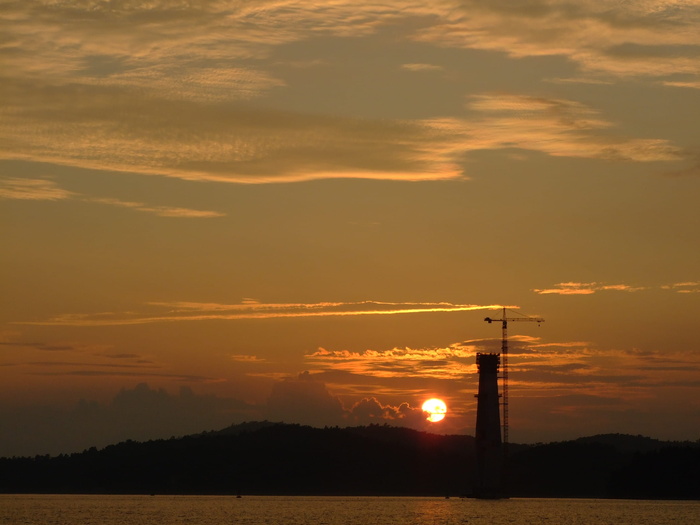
<point>275,458</point>
<point>608,466</point>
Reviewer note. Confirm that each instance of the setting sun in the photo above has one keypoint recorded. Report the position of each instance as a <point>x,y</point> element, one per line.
<point>436,408</point>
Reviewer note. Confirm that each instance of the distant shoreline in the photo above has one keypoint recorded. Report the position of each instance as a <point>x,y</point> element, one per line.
<point>275,459</point>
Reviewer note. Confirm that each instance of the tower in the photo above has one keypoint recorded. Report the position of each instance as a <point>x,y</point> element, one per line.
<point>489,450</point>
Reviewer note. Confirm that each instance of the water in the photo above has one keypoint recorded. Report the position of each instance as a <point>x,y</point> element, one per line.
<point>275,510</point>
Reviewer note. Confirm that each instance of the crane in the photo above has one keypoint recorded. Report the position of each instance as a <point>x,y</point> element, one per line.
<point>504,363</point>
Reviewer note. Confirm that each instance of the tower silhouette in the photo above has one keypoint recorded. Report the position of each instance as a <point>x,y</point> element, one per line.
<point>489,449</point>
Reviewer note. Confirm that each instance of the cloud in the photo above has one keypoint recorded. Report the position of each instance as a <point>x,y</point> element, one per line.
<point>121,130</point>
<point>156,88</point>
<point>40,189</point>
<point>574,288</point>
<point>441,363</point>
<point>691,85</point>
<point>563,367</point>
<point>111,130</point>
<point>246,358</point>
<point>578,80</point>
<point>189,311</point>
<point>643,38</point>
<point>369,410</point>
<point>139,413</point>
<point>217,42</point>
<point>81,360</point>
<point>421,67</point>
<point>40,346</point>
<point>148,89</point>
<point>32,189</point>
<point>165,45</point>
<point>556,127</point>
<point>161,211</point>
<point>560,376</point>
<point>684,287</point>
<point>304,400</point>
<point>140,374</point>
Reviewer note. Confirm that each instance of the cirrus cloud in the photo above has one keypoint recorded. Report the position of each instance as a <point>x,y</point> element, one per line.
<point>155,88</point>
<point>190,311</point>
<point>574,288</point>
<point>16,188</point>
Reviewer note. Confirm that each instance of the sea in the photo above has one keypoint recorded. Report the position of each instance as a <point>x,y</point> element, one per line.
<point>326,510</point>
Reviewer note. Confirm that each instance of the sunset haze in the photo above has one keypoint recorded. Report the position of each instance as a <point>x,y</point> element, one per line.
<point>223,211</point>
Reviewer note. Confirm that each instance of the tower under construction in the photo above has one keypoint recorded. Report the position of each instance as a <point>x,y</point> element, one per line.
<point>489,449</point>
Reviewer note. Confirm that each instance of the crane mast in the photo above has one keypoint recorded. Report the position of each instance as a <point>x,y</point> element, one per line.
<point>504,364</point>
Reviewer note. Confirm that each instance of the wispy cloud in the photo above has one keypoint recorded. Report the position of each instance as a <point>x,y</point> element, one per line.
<point>187,378</point>
<point>684,287</point>
<point>189,311</point>
<point>192,141</point>
<point>40,346</point>
<point>574,288</point>
<point>647,37</point>
<point>245,358</point>
<point>579,80</point>
<point>577,288</point>
<point>421,67</point>
<point>108,128</point>
<point>151,88</point>
<point>557,127</point>
<point>41,189</point>
<point>161,211</point>
<point>691,85</point>
<point>32,189</point>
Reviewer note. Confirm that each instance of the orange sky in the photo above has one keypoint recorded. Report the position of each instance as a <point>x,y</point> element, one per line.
<point>214,212</point>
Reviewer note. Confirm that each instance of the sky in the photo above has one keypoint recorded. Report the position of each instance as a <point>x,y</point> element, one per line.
<point>217,211</point>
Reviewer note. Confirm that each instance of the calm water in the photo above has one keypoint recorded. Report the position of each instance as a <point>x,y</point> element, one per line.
<point>271,510</point>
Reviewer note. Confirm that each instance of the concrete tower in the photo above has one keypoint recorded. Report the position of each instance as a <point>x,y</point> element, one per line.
<point>489,453</point>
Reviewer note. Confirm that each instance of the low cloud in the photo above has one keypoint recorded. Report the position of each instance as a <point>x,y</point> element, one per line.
<point>304,400</point>
<point>369,410</point>
<point>439,363</point>
<point>140,413</point>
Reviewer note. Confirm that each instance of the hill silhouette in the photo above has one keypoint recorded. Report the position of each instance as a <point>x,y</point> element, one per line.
<point>380,460</point>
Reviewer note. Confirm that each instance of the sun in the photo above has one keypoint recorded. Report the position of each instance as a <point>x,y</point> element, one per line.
<point>436,408</point>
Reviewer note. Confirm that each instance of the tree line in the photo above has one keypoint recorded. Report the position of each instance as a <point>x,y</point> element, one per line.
<point>378,460</point>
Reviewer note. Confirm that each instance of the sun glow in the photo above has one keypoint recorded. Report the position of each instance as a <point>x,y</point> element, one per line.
<point>436,409</point>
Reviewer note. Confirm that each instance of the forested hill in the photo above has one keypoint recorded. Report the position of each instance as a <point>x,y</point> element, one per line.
<point>275,458</point>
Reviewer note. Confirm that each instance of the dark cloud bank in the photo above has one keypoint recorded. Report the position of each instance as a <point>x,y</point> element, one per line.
<point>144,413</point>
